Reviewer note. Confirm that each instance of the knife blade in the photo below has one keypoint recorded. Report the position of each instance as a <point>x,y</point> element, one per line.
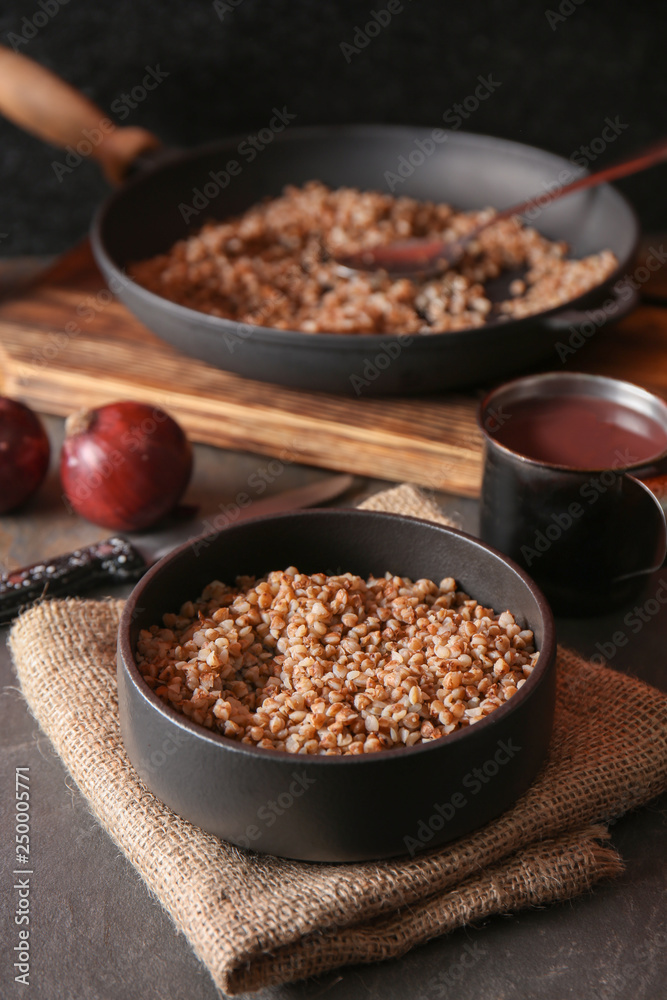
<point>120,560</point>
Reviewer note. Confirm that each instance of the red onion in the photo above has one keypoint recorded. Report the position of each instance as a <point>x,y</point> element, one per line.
<point>124,465</point>
<point>24,453</point>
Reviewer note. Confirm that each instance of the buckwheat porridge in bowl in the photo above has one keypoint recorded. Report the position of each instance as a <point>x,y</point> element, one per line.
<point>272,266</point>
<point>334,665</point>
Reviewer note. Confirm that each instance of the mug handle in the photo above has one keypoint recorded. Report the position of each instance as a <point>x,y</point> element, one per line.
<point>657,484</point>
<point>639,491</point>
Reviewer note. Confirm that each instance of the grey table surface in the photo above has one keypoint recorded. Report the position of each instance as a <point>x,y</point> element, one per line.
<point>97,934</point>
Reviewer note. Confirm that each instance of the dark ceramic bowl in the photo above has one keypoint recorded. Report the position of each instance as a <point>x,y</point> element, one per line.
<point>348,808</point>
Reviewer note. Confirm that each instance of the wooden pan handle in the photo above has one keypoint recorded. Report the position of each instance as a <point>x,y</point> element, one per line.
<point>40,102</point>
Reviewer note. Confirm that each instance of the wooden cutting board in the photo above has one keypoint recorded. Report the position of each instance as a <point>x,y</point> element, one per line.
<point>65,343</point>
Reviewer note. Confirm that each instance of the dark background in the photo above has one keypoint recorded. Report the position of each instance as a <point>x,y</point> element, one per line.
<point>559,82</point>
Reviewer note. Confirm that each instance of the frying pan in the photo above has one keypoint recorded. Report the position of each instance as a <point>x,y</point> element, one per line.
<point>152,210</point>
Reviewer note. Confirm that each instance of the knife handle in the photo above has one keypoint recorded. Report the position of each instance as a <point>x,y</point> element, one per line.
<point>113,559</point>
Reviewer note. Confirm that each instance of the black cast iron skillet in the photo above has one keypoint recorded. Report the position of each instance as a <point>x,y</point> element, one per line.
<point>470,171</point>
<point>149,213</point>
<point>338,808</point>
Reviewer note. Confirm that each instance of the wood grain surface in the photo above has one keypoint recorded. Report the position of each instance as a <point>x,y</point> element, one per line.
<point>65,343</point>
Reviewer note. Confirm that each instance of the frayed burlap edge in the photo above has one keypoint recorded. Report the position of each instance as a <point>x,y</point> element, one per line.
<point>546,872</point>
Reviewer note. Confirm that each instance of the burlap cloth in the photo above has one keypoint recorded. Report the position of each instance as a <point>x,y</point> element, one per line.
<point>256,920</point>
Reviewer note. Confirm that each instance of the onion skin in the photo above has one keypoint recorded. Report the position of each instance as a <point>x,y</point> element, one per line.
<point>124,465</point>
<point>24,453</point>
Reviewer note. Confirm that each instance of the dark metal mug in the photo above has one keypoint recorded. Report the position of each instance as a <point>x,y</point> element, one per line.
<point>589,537</point>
